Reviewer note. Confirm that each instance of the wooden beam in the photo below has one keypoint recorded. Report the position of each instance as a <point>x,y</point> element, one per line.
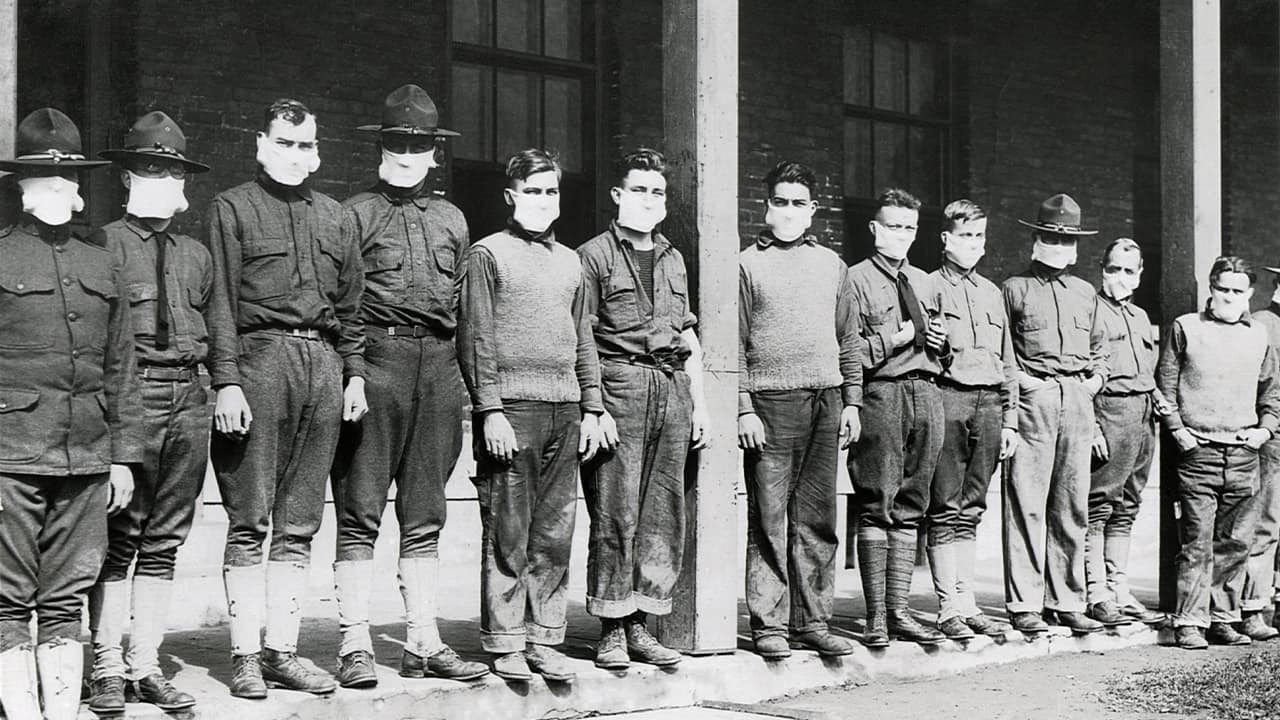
<point>1191,199</point>
<point>700,114</point>
<point>8,75</point>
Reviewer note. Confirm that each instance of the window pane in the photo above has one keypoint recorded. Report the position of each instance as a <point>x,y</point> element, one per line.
<point>890,152</point>
<point>471,92</point>
<point>890,72</point>
<point>857,158</point>
<point>857,66</point>
<point>520,25</point>
<point>563,115</point>
<point>519,119</point>
<point>924,82</point>
<point>926,164</point>
<point>563,28</point>
<point>472,21</point>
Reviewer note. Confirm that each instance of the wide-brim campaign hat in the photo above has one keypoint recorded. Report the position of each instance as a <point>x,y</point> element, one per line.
<point>155,135</point>
<point>48,138</point>
<point>1060,214</point>
<point>409,110</point>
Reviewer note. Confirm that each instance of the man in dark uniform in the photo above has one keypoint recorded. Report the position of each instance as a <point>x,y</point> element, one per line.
<point>68,414</point>
<point>904,347</point>
<point>168,277</point>
<point>529,362</point>
<point>285,331</point>
<point>1062,364</point>
<point>651,379</point>
<point>412,241</point>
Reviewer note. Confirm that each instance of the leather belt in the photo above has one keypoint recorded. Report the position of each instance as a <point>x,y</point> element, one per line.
<point>947,382</point>
<point>924,375</point>
<point>1130,393</point>
<point>412,331</point>
<point>666,365</point>
<point>164,373</point>
<point>305,333</point>
<point>1077,375</point>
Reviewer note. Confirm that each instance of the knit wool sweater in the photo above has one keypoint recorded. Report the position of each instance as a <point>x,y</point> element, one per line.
<point>789,339</point>
<point>533,315</point>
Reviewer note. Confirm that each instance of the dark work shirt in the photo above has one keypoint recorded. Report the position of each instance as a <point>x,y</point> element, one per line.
<point>411,242</point>
<point>1051,313</point>
<point>1131,347</point>
<point>69,400</point>
<point>282,258</point>
<point>188,281</point>
<point>626,320</point>
<point>978,333</point>
<point>876,294</point>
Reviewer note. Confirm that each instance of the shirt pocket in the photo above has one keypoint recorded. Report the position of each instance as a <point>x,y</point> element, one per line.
<point>195,312</point>
<point>883,317</point>
<point>142,308</point>
<point>1075,334</point>
<point>23,432</point>
<point>445,257</point>
<point>620,307</point>
<point>990,332</point>
<point>28,310</point>
<point>677,301</point>
<point>383,274</point>
<point>89,328</point>
<point>265,271</point>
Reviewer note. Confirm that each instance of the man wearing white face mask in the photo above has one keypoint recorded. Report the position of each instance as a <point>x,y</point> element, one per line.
<point>1219,377</point>
<point>1062,364</point>
<point>411,240</point>
<point>529,362</point>
<point>69,418</point>
<point>904,348</point>
<point>798,406</point>
<point>171,340</point>
<point>1124,441</point>
<point>980,411</point>
<point>285,332</point>
<point>651,378</point>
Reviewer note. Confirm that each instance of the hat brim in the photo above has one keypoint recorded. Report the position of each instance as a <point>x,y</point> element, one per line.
<point>44,162</point>
<point>1059,230</point>
<point>125,155</point>
<point>1275,270</point>
<point>424,132</point>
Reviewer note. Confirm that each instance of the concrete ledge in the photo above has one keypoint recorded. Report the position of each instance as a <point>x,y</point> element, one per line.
<point>741,677</point>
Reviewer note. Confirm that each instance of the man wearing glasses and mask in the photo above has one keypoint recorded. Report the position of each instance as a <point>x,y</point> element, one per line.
<point>168,277</point>
<point>412,241</point>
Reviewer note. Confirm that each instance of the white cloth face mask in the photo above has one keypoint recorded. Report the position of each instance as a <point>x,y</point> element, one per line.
<point>406,170</point>
<point>160,198</point>
<point>51,199</point>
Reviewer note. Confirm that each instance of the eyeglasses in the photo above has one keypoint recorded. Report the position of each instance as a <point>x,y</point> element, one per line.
<point>160,168</point>
<point>781,202</point>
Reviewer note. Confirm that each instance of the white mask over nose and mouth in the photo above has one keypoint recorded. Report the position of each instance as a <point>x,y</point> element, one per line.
<point>1057,257</point>
<point>532,212</point>
<point>160,198</point>
<point>635,214</point>
<point>51,199</point>
<point>406,170</point>
<point>287,166</point>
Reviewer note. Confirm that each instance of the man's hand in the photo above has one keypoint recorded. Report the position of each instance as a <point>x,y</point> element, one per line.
<point>608,431</point>
<point>231,414</point>
<point>699,429</point>
<point>1254,437</point>
<point>120,482</point>
<point>1186,441</point>
<point>750,432</point>
<point>1093,384</point>
<point>906,333</point>
<point>1100,449</point>
<point>935,336</point>
<point>499,437</point>
<point>850,426</point>
<point>1008,443</point>
<point>354,405</point>
<point>589,436</point>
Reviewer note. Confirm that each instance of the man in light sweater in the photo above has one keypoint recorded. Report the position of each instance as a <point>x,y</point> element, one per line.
<point>1260,572</point>
<point>801,389</point>
<point>1223,407</point>
<point>903,350</point>
<point>529,363</point>
<point>651,377</point>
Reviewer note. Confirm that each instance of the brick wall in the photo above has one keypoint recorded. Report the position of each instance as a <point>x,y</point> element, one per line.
<point>214,66</point>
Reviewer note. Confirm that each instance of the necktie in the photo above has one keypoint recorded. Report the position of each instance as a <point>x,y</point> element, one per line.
<point>911,308</point>
<point>162,293</point>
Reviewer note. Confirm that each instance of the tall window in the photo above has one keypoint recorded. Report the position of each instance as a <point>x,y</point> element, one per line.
<point>898,124</point>
<point>523,74</point>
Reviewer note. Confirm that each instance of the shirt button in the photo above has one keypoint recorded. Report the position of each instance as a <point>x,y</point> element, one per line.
<point>72,316</point>
<point>60,248</point>
<point>75,353</point>
<point>3,404</point>
<point>66,281</point>
<point>413,225</point>
<point>21,286</point>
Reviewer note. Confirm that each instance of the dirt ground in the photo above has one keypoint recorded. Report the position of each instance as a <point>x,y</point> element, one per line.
<point>1063,686</point>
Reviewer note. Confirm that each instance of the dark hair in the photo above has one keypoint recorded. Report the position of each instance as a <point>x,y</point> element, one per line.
<point>530,162</point>
<point>791,172</point>
<point>640,159</point>
<point>286,109</point>
<point>1231,264</point>
<point>897,197</point>
<point>1122,243</point>
<point>959,212</point>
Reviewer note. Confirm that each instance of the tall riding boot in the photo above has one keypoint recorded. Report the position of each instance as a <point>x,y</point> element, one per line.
<point>901,563</point>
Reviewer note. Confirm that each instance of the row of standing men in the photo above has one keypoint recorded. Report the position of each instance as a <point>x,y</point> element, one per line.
<point>306,312</point>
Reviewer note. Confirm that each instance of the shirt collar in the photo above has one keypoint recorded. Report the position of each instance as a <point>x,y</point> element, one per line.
<point>660,242</point>
<point>766,238</point>
<point>883,266</point>
<point>1124,306</point>
<point>287,193</point>
<point>142,230</point>
<point>420,195</point>
<point>48,233</point>
<point>1246,319</point>
<point>546,237</point>
<point>1046,274</point>
<point>954,277</point>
